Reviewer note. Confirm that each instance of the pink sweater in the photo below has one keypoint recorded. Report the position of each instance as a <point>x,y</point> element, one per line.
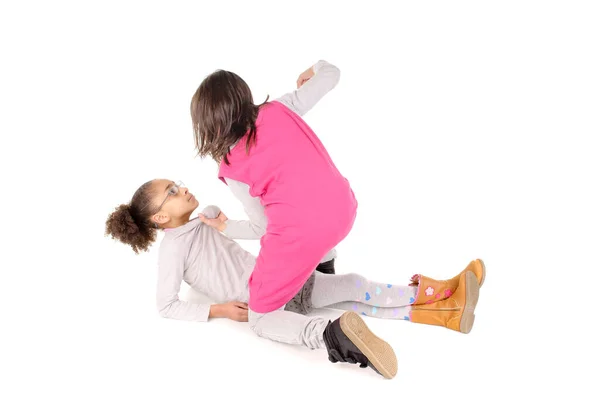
<point>309,205</point>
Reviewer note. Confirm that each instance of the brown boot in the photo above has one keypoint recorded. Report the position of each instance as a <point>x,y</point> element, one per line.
<point>456,312</point>
<point>432,290</point>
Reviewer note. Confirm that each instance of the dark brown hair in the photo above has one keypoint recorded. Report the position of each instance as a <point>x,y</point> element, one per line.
<point>223,112</point>
<point>130,223</point>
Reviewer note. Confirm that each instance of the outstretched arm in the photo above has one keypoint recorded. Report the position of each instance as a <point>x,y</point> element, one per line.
<point>326,77</point>
<point>256,225</point>
<point>253,228</point>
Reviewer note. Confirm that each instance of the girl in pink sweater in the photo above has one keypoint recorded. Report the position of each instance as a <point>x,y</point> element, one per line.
<point>270,157</point>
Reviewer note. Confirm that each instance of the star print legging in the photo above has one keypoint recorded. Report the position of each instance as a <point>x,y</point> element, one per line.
<point>353,292</point>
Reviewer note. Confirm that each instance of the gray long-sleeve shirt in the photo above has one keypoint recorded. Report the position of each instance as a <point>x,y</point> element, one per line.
<point>205,259</point>
<point>300,101</point>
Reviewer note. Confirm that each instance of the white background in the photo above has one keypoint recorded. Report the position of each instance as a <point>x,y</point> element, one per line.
<point>467,129</point>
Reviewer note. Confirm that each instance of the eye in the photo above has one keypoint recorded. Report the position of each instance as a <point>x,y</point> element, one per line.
<point>173,190</point>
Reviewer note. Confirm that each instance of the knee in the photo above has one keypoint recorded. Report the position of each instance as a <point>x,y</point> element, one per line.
<point>352,277</point>
<point>353,280</point>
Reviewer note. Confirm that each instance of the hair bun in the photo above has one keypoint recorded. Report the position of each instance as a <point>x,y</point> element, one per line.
<point>121,225</point>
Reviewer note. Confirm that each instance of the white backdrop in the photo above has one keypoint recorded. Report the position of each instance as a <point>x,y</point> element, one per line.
<point>467,129</point>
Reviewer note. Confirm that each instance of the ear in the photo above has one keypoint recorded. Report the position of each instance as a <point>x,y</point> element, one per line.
<point>160,219</point>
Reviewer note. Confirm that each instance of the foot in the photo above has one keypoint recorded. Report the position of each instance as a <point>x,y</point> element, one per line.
<point>477,267</point>
<point>348,339</point>
<point>457,312</point>
<point>432,290</point>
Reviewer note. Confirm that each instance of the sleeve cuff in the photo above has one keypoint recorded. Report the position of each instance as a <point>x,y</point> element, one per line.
<point>318,66</point>
<point>204,313</point>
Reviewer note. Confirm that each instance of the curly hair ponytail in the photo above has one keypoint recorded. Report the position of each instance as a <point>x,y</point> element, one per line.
<point>130,223</point>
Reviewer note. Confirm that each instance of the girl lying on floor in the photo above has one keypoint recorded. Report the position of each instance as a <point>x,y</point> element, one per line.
<point>211,263</point>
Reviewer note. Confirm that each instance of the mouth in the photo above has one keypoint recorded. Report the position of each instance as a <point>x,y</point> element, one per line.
<point>190,198</point>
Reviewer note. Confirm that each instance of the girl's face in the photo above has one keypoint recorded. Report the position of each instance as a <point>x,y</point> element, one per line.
<point>173,201</point>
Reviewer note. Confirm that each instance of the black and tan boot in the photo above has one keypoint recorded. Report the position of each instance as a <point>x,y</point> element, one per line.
<point>348,339</point>
<point>456,312</point>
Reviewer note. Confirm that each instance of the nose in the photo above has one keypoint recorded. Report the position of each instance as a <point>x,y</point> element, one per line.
<point>185,191</point>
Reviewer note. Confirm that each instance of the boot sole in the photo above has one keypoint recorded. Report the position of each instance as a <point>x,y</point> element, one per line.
<point>483,272</point>
<point>379,352</point>
<point>468,317</point>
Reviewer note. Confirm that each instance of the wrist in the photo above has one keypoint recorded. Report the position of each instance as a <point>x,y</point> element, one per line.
<point>216,311</point>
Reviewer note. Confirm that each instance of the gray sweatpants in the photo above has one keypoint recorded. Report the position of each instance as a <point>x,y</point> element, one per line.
<point>289,327</point>
<point>350,292</point>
